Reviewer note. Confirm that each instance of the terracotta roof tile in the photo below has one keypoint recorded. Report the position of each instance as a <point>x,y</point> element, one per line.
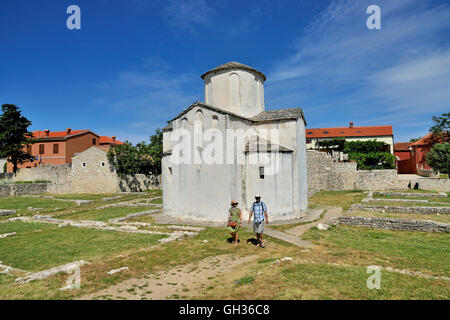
<point>109,140</point>
<point>57,134</point>
<point>349,132</point>
<point>402,146</point>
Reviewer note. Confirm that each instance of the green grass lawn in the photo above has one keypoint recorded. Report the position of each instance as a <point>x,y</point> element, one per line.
<point>22,203</point>
<point>342,199</point>
<point>419,251</point>
<point>104,214</point>
<point>22,227</point>
<point>156,201</point>
<point>298,280</point>
<point>48,247</point>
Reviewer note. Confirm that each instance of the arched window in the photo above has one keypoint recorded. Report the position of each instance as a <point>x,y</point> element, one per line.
<point>234,90</point>
<point>215,122</point>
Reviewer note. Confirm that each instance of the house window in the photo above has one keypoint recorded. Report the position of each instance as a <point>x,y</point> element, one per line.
<point>103,164</point>
<point>261,172</point>
<point>326,132</point>
<point>56,148</point>
<point>84,164</point>
<point>170,170</point>
<point>41,149</point>
<point>94,142</point>
<point>310,132</point>
<point>308,140</point>
<point>29,149</point>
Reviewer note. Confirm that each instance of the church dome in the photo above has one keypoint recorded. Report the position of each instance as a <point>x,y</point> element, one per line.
<point>235,87</point>
<point>234,65</point>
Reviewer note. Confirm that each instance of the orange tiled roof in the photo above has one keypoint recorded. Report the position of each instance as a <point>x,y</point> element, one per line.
<point>402,146</point>
<point>423,140</point>
<point>103,148</point>
<point>109,140</point>
<point>349,132</point>
<point>57,134</point>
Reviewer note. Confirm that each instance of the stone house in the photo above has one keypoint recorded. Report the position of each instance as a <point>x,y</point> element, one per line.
<point>58,147</point>
<point>234,102</point>
<point>351,133</point>
<point>91,172</point>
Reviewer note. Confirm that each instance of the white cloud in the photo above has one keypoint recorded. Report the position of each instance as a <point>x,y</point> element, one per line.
<point>187,15</point>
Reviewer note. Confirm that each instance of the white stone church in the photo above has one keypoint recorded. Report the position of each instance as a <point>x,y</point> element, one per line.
<point>198,188</point>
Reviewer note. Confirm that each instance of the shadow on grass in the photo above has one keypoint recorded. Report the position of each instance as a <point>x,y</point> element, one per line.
<point>253,241</point>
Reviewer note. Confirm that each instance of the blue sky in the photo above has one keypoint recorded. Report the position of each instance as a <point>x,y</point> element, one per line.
<point>136,63</point>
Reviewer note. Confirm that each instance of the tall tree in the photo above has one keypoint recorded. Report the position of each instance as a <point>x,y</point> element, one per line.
<point>156,149</point>
<point>14,135</point>
<point>441,129</point>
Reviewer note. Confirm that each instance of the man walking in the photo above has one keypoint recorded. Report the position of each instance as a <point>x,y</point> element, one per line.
<point>259,212</point>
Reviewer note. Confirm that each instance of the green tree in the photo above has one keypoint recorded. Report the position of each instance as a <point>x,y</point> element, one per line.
<point>441,124</point>
<point>439,157</point>
<point>336,144</point>
<point>156,149</point>
<point>369,154</point>
<point>14,135</point>
<point>128,159</point>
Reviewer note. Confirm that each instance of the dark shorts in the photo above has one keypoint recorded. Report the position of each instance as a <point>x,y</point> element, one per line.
<point>258,227</point>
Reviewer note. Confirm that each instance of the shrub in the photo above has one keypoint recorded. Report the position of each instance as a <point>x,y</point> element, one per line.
<point>439,157</point>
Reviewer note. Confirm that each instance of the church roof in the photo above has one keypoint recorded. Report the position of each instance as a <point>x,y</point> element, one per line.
<point>281,114</point>
<point>234,65</point>
<point>259,144</point>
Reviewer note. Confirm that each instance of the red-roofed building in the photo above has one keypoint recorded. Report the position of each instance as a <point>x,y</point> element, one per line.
<point>412,155</point>
<point>58,147</point>
<point>109,141</point>
<point>351,133</point>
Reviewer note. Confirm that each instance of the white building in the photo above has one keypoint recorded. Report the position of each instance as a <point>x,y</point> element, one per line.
<point>196,188</point>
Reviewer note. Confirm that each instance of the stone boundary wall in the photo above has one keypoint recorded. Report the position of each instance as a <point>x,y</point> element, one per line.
<point>402,209</point>
<point>22,189</point>
<point>52,173</point>
<point>326,173</point>
<point>437,184</point>
<point>396,224</point>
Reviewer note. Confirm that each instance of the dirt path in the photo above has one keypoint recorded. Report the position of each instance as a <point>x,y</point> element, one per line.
<point>330,214</point>
<point>178,282</point>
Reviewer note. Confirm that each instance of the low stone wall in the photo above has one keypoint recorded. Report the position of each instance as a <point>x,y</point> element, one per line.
<point>376,180</point>
<point>403,209</point>
<point>437,184</point>
<point>52,173</point>
<point>139,183</point>
<point>22,189</point>
<point>411,194</point>
<point>396,224</point>
<point>325,172</point>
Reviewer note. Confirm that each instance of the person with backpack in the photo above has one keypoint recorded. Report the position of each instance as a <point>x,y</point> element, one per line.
<point>234,221</point>
<point>259,212</point>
